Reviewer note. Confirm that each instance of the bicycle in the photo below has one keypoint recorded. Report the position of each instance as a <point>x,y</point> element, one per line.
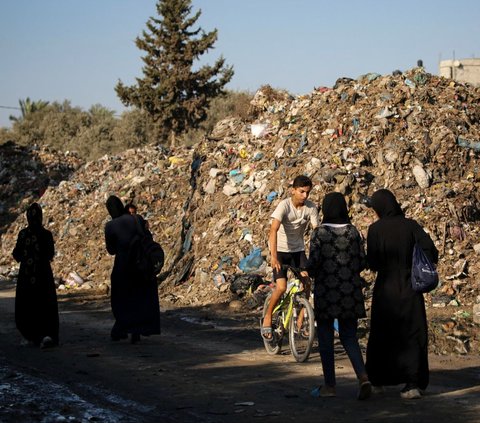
<point>293,314</point>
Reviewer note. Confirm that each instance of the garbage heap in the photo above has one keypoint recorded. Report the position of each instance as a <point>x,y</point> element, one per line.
<point>210,206</point>
<point>152,178</point>
<point>26,173</point>
<point>414,133</point>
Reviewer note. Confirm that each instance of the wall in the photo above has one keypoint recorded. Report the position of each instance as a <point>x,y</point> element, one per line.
<point>463,70</point>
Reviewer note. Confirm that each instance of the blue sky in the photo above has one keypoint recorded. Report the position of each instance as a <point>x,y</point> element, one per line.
<point>77,50</point>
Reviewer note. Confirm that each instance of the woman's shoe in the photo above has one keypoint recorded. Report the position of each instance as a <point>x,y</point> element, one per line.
<point>410,391</point>
<point>323,392</point>
<point>378,389</point>
<point>365,390</point>
<point>411,394</point>
<point>327,391</point>
<point>47,342</point>
<point>134,338</point>
<point>115,336</point>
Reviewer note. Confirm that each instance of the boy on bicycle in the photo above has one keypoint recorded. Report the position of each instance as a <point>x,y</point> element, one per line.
<point>286,241</point>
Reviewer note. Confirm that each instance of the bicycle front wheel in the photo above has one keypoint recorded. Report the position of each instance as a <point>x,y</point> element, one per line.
<point>302,329</point>
<point>274,345</point>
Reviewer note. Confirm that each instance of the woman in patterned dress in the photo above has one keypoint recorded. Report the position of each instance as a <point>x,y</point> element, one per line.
<point>336,259</point>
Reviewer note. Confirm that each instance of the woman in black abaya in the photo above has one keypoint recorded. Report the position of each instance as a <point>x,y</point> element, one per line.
<point>134,296</point>
<point>36,309</point>
<point>397,350</point>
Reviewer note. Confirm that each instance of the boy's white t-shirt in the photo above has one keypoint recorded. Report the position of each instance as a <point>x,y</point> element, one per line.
<point>293,222</point>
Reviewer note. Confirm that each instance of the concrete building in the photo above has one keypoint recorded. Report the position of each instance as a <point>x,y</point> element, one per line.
<point>462,70</point>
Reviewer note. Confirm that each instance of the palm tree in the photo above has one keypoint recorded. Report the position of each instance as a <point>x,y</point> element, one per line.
<point>101,112</point>
<point>28,106</point>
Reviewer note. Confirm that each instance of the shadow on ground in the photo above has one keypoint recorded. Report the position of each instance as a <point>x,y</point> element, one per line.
<point>211,367</point>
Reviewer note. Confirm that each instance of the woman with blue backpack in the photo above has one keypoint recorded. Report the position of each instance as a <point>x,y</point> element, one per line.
<point>397,350</point>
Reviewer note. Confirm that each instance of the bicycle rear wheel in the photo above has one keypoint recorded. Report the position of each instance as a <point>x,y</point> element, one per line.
<point>301,329</point>
<point>274,346</point>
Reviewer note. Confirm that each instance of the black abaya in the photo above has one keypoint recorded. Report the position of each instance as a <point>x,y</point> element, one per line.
<point>36,309</point>
<point>397,350</point>
<point>134,296</point>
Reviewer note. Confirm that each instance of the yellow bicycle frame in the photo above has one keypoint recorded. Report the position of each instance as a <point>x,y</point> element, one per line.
<point>282,305</point>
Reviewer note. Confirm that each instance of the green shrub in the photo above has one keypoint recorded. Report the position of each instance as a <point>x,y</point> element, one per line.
<point>97,132</point>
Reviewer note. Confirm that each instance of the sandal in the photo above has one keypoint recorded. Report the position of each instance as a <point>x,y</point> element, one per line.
<point>265,331</point>
<point>304,332</point>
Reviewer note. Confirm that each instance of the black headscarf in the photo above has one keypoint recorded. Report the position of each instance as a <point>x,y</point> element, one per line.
<point>34,216</point>
<point>334,209</point>
<point>385,204</point>
<point>115,206</point>
<point>30,240</point>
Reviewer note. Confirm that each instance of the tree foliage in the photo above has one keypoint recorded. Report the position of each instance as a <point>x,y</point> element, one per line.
<point>172,92</point>
<point>27,107</point>
<point>98,131</point>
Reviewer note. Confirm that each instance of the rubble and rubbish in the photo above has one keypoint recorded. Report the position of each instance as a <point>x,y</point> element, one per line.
<point>411,132</point>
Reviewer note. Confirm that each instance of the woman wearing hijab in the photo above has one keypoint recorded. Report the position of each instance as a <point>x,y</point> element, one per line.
<point>336,259</point>
<point>397,350</point>
<point>36,309</point>
<point>134,296</point>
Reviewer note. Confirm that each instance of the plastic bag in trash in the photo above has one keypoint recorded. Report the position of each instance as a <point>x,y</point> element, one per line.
<point>259,129</point>
<point>271,196</point>
<point>251,262</point>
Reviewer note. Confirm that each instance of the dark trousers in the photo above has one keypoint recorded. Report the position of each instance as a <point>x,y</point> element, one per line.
<point>347,329</point>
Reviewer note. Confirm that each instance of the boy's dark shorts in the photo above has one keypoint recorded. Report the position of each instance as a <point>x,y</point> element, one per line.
<point>297,259</point>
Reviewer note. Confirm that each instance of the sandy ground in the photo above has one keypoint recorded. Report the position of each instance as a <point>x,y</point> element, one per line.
<point>208,365</point>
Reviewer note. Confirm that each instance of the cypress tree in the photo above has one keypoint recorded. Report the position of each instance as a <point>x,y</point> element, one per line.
<point>174,94</point>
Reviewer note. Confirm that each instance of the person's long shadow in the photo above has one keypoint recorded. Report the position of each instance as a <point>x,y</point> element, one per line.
<point>224,357</point>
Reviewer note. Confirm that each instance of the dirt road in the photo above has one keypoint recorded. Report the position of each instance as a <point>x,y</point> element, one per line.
<point>208,365</point>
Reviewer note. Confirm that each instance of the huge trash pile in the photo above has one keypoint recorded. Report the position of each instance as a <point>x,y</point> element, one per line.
<point>210,205</point>
<point>414,133</point>
<point>74,209</point>
<point>26,173</point>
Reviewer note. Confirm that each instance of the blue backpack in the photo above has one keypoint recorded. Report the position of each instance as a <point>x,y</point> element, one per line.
<point>424,274</point>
